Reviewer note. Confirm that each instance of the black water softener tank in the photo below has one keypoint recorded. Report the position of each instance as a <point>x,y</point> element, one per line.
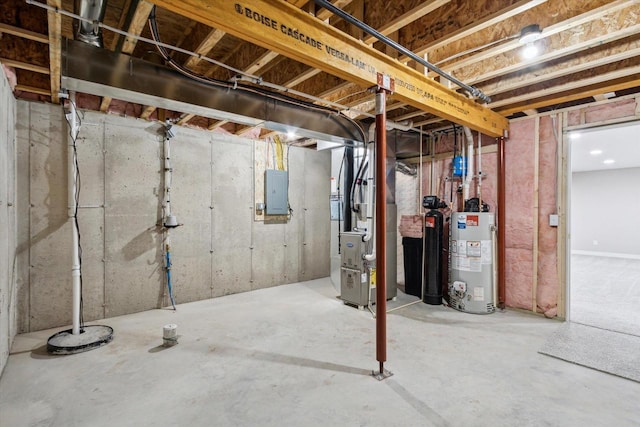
<point>433,235</point>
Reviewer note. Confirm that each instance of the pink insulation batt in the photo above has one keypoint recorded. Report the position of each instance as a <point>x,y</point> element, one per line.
<point>519,166</point>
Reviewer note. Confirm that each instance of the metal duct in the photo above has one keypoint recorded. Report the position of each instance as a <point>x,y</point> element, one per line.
<point>90,32</point>
<point>96,71</point>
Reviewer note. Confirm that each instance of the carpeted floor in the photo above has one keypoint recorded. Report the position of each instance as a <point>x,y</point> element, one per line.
<point>605,293</point>
<point>607,351</point>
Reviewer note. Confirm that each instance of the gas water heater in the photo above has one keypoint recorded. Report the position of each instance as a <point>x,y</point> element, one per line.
<point>472,286</point>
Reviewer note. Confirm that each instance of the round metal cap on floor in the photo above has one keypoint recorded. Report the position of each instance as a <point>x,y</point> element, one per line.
<point>90,337</point>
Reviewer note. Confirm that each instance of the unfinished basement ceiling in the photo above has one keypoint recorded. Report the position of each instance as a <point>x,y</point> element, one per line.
<point>588,48</point>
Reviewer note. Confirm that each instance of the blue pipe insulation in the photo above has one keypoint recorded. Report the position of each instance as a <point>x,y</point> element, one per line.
<point>173,303</point>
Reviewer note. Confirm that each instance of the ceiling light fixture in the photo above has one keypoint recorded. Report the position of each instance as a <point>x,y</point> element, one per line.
<point>574,135</point>
<point>595,152</point>
<point>530,51</point>
<point>528,37</point>
<point>530,33</point>
<point>609,162</point>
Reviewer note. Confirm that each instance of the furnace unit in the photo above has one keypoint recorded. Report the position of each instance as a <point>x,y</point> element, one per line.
<point>354,269</point>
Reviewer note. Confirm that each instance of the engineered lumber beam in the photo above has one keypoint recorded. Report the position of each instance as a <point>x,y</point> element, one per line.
<point>283,28</point>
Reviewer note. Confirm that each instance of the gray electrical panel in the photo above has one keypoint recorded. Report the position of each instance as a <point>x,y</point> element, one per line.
<point>276,192</point>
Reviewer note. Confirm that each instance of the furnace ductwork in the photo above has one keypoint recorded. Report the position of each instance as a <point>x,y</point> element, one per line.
<point>90,32</point>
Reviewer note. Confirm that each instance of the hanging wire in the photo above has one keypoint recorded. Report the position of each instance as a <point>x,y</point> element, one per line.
<point>340,203</point>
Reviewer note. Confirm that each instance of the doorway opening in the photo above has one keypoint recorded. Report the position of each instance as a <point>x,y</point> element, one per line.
<point>604,280</point>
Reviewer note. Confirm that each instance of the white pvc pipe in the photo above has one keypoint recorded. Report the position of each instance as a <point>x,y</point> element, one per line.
<point>71,181</point>
<point>371,154</point>
<point>469,162</point>
<point>479,187</point>
<point>494,263</point>
<point>371,212</point>
<point>167,178</point>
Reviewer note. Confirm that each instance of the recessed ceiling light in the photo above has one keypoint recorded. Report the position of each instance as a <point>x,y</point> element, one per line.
<point>609,161</point>
<point>595,152</point>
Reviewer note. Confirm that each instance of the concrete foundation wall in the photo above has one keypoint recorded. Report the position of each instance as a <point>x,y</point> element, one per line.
<point>8,292</point>
<point>218,250</point>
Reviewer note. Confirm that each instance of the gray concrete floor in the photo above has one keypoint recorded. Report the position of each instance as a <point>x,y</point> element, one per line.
<point>605,293</point>
<point>294,355</point>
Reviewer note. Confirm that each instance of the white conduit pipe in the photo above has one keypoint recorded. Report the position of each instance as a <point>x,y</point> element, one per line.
<point>72,189</point>
<point>469,161</point>
<point>371,154</point>
<point>167,179</point>
<point>479,187</point>
<point>371,212</point>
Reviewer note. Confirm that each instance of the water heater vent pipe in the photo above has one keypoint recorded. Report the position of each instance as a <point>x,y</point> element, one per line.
<point>469,160</point>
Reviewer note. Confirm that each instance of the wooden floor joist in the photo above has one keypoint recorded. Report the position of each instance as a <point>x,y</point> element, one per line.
<point>140,16</point>
<point>26,34</point>
<point>611,82</point>
<point>24,66</point>
<point>146,113</point>
<point>283,28</point>
<point>477,25</point>
<point>31,89</point>
<point>55,49</point>
<point>548,31</point>
<point>412,15</point>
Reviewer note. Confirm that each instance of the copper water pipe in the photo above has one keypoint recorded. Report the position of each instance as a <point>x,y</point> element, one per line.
<point>501,223</point>
<point>381,228</point>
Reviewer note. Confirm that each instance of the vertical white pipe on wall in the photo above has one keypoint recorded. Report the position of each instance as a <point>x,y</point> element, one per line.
<point>167,179</point>
<point>73,208</point>
<point>479,185</point>
<point>469,160</point>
